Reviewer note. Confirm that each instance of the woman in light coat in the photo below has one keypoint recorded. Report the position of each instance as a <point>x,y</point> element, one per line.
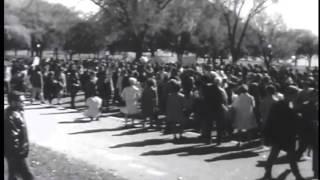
<point>243,106</point>
<point>131,95</point>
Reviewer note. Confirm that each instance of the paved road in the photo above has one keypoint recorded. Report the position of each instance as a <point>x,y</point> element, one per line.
<point>140,154</point>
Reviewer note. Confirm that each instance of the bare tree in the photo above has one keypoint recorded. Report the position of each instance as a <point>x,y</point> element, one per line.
<point>135,16</point>
<point>237,22</point>
<point>267,31</point>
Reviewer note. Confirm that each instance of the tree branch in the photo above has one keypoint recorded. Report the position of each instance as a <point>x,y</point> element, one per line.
<point>237,17</point>
<point>164,5</point>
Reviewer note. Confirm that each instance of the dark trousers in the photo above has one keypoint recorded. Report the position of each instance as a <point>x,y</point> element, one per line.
<point>207,126</point>
<point>315,156</point>
<point>18,167</point>
<point>220,125</point>
<point>275,150</point>
<point>7,87</point>
<point>73,97</point>
<point>116,96</point>
<point>51,96</point>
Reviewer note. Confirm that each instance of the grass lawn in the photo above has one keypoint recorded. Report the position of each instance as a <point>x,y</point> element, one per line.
<point>49,165</point>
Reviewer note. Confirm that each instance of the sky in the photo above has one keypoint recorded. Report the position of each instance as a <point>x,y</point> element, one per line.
<point>297,14</point>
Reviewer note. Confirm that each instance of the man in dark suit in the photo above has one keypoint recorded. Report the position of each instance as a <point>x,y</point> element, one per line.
<point>214,99</point>
<point>16,145</point>
<point>281,131</point>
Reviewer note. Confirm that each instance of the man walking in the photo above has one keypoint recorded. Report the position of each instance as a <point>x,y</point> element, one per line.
<point>36,79</point>
<point>281,131</point>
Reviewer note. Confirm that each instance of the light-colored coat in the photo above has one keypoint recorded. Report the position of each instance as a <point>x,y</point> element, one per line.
<point>131,95</point>
<point>244,115</point>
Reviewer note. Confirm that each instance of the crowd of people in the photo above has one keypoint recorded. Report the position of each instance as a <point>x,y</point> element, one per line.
<point>239,102</point>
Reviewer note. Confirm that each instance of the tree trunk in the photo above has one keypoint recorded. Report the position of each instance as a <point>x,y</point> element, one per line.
<point>234,55</point>
<point>138,49</point>
<point>70,57</point>
<point>309,61</point>
<point>267,63</point>
<point>221,60</point>
<point>56,53</point>
<point>179,57</point>
<point>139,46</point>
<point>138,54</point>
<point>15,52</point>
<point>153,53</point>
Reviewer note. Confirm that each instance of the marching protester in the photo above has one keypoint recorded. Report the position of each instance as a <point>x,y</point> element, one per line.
<point>93,101</point>
<point>266,103</point>
<point>18,82</point>
<point>37,83</point>
<point>74,81</point>
<point>105,86</point>
<point>60,83</point>
<point>281,130</point>
<point>308,127</point>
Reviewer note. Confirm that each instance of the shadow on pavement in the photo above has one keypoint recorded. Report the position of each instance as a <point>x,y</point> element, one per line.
<point>41,107</point>
<point>280,160</point>
<point>110,114</point>
<point>56,113</point>
<point>97,130</point>
<point>69,101</point>
<point>217,149</point>
<point>169,151</point>
<point>148,142</point>
<point>110,110</point>
<point>77,107</point>
<point>78,120</point>
<point>282,176</point>
<point>75,122</point>
<point>207,149</point>
<point>135,131</point>
<point>231,156</point>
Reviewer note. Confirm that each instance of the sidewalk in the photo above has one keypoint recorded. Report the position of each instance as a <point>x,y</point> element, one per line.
<point>140,154</point>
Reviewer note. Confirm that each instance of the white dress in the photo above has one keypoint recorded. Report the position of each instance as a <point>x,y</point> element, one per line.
<point>94,105</point>
<point>131,95</point>
<point>244,117</point>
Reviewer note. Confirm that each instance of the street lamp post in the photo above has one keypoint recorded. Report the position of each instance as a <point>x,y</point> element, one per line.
<point>294,58</point>
<point>269,55</point>
<point>38,50</point>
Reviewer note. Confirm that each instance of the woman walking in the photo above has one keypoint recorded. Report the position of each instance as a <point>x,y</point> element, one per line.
<point>93,102</point>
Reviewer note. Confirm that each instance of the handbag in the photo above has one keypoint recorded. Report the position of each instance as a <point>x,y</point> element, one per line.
<point>121,103</point>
